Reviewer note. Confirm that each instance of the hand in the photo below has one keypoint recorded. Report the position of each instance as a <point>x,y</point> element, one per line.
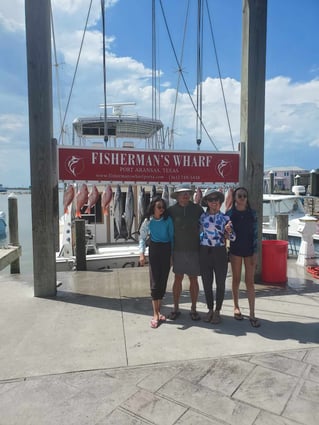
<point>229,227</point>
<point>142,260</point>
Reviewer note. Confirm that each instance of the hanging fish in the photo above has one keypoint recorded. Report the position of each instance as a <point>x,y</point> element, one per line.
<point>81,198</point>
<point>229,198</point>
<point>129,211</point>
<point>153,192</point>
<point>165,195</point>
<point>141,205</point>
<point>118,210</point>
<point>106,199</point>
<point>198,196</point>
<point>68,197</point>
<point>92,199</point>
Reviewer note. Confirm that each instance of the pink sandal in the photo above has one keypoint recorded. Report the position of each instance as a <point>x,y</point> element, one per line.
<point>154,323</point>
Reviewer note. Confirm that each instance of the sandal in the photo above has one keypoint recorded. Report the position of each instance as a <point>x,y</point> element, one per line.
<point>162,318</point>
<point>254,322</point>
<point>216,318</point>
<point>194,315</point>
<point>238,316</point>
<point>208,317</point>
<point>154,323</point>
<point>174,315</point>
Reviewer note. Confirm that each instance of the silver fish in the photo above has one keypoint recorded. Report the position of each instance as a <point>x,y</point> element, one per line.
<point>118,210</point>
<point>153,192</point>
<point>165,195</point>
<point>141,205</point>
<point>129,211</point>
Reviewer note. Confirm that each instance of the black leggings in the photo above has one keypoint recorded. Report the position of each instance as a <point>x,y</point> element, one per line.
<point>159,265</point>
<point>213,260</point>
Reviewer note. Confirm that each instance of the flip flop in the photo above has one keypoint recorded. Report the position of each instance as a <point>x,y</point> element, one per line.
<point>208,317</point>
<point>154,323</point>
<point>254,322</point>
<point>174,315</point>
<point>238,316</point>
<point>162,318</point>
<point>194,315</point>
<point>216,318</point>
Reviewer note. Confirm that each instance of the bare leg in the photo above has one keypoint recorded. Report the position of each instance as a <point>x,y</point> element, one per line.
<point>250,266</point>
<point>236,264</point>
<point>194,290</point>
<point>177,290</point>
<point>156,311</point>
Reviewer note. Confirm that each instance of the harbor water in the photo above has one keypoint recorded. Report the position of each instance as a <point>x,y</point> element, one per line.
<point>24,228</point>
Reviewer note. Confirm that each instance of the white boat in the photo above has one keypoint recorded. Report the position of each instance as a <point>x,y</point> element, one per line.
<point>293,206</point>
<point>107,246</point>
<point>3,189</point>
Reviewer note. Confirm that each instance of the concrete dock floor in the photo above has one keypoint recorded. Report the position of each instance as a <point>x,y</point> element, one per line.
<point>89,356</point>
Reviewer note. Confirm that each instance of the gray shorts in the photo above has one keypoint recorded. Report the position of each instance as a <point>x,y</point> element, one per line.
<point>186,262</point>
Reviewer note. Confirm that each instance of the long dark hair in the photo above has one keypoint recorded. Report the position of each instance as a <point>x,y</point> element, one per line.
<point>234,196</point>
<point>151,208</point>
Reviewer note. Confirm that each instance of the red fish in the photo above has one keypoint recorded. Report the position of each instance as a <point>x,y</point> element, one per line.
<point>106,199</point>
<point>68,197</point>
<point>229,199</point>
<point>81,199</point>
<point>92,199</point>
<point>198,196</point>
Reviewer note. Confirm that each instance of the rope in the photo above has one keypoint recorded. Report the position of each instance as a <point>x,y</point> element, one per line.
<point>104,73</point>
<point>56,72</point>
<point>219,73</point>
<point>199,91</point>
<point>171,141</point>
<point>76,68</point>
<point>183,78</point>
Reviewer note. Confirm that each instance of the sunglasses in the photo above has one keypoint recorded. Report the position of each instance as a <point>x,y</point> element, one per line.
<point>212,199</point>
<point>241,196</point>
<point>160,207</point>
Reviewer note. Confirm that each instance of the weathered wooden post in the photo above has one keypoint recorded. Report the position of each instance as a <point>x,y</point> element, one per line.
<point>13,229</point>
<point>253,105</point>
<point>39,65</point>
<point>272,181</point>
<point>282,227</point>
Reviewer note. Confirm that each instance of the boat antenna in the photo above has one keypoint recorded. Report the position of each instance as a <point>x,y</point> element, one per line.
<point>104,73</point>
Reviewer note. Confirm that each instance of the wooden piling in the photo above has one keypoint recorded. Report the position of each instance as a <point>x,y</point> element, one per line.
<point>80,244</point>
<point>13,230</point>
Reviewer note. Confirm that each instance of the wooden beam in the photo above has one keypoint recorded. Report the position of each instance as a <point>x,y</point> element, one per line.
<point>38,37</point>
<point>253,105</point>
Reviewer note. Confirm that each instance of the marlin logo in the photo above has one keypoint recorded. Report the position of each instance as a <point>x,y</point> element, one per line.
<point>74,165</point>
<point>223,168</point>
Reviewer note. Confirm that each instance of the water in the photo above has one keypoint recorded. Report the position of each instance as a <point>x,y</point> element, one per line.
<point>24,228</point>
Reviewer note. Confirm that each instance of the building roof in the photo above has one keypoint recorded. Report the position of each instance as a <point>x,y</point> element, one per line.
<point>285,168</point>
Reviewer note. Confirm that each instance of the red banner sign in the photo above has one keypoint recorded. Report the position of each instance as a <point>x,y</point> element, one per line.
<point>132,166</point>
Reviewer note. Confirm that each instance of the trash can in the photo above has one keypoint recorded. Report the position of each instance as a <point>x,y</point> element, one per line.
<point>274,261</point>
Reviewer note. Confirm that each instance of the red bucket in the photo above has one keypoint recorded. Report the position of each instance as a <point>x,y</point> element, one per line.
<point>274,261</point>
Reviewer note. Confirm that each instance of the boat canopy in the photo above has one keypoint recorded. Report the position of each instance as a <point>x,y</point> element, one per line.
<point>120,127</point>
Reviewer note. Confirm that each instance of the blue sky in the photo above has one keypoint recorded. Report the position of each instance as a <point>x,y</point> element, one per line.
<point>292,74</point>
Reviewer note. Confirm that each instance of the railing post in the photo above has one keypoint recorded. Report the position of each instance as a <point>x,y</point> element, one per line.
<point>13,229</point>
